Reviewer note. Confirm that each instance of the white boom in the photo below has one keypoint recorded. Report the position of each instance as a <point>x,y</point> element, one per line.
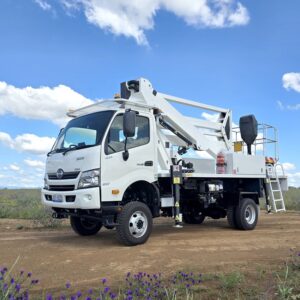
<point>204,135</point>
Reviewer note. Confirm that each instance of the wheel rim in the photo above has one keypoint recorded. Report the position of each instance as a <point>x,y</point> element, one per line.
<point>250,214</point>
<point>138,224</point>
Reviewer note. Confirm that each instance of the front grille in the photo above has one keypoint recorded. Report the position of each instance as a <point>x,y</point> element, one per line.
<point>61,187</point>
<point>68,198</point>
<point>67,175</point>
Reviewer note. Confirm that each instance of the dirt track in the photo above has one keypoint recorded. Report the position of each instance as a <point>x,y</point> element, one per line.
<point>57,256</point>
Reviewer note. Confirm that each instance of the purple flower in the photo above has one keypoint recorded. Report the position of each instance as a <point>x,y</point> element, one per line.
<point>34,281</point>
<point>113,296</point>
<point>106,289</point>
<point>88,298</point>
<point>68,285</point>
<point>12,281</point>
<point>90,291</point>
<point>104,280</point>
<point>73,297</point>
<point>18,287</point>
<point>79,294</point>
<point>49,297</point>
<point>29,274</point>
<point>21,273</point>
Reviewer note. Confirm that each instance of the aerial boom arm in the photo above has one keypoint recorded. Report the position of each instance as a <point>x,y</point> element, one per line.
<point>211,136</point>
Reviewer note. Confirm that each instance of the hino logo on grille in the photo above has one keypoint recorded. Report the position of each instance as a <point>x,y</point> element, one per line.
<point>60,173</point>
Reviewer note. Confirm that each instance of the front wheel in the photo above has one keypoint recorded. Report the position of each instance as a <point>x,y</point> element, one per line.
<point>246,214</point>
<point>134,224</point>
<point>85,227</point>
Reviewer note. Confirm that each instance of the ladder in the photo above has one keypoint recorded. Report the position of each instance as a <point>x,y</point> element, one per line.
<point>274,187</point>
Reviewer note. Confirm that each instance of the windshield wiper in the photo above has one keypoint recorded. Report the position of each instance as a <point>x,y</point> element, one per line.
<point>75,147</point>
<point>52,151</point>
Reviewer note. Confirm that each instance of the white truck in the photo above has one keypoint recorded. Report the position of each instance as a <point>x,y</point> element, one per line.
<point>120,163</point>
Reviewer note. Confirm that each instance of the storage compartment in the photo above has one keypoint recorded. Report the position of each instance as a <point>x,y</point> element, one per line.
<point>202,165</point>
<point>241,164</point>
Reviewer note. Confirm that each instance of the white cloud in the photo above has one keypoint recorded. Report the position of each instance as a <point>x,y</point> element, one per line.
<point>280,105</point>
<point>44,5</point>
<point>293,107</point>
<point>27,142</point>
<point>34,163</point>
<point>294,179</point>
<point>42,103</point>
<point>210,117</point>
<point>133,18</point>
<point>288,106</point>
<point>288,166</point>
<point>291,81</point>
<point>14,167</point>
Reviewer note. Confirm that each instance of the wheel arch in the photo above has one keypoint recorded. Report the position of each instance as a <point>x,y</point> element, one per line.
<point>145,192</point>
<point>252,195</point>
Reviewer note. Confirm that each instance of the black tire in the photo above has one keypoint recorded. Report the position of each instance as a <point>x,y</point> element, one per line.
<point>192,218</point>
<point>231,210</point>
<point>85,227</point>
<point>246,214</point>
<point>134,224</point>
<point>109,227</point>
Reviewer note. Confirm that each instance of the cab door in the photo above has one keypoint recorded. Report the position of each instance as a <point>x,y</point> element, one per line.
<point>116,173</point>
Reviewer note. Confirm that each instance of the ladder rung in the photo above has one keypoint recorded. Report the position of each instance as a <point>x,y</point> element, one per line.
<point>276,190</point>
<point>277,200</point>
<point>281,209</point>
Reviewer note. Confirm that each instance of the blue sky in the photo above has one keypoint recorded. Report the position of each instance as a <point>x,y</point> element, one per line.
<point>58,54</point>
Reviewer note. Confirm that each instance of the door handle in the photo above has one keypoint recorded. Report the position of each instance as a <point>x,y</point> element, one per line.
<point>148,163</point>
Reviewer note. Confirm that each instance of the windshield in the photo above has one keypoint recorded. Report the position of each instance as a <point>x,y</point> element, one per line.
<point>82,132</point>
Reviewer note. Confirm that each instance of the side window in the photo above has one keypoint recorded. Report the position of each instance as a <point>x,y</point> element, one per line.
<point>115,138</point>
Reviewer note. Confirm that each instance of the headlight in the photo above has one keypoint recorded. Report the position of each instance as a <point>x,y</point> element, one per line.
<point>89,179</point>
<point>46,186</point>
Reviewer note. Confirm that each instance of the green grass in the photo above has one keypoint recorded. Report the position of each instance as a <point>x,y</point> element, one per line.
<point>25,204</point>
<point>292,198</point>
<point>20,204</point>
<point>231,281</point>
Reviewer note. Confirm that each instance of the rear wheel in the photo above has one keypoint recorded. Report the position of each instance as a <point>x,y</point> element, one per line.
<point>85,227</point>
<point>134,224</point>
<point>231,216</point>
<point>246,214</point>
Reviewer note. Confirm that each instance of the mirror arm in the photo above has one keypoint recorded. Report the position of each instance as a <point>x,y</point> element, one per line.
<point>125,153</point>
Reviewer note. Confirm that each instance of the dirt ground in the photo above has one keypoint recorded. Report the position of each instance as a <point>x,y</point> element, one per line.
<point>57,256</point>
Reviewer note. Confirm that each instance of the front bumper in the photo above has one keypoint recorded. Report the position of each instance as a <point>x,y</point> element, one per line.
<point>80,199</point>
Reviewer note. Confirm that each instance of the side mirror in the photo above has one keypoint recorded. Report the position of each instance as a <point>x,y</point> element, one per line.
<point>129,123</point>
<point>128,129</point>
